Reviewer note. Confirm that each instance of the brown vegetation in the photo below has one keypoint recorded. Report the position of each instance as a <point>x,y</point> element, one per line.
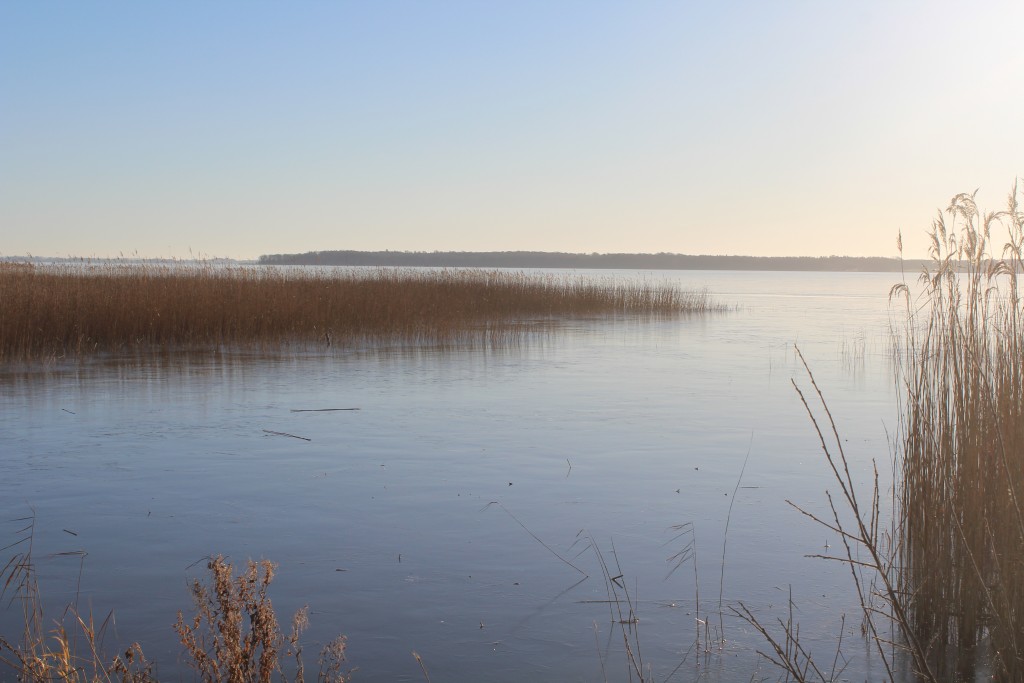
<point>233,637</point>
<point>70,649</point>
<point>943,582</point>
<point>942,579</point>
<point>74,310</point>
<point>962,468</point>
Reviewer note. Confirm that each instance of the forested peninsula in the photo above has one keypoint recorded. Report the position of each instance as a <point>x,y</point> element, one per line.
<point>544,259</point>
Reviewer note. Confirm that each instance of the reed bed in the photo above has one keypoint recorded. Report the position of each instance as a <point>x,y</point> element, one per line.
<point>962,445</point>
<point>74,311</point>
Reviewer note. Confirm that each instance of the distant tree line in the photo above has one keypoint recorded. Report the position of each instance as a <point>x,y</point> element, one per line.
<point>544,259</point>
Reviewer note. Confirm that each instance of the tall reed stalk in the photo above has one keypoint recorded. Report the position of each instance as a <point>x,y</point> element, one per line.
<point>962,443</point>
<point>944,583</point>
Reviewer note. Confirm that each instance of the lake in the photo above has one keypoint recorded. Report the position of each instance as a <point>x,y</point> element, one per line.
<point>443,515</point>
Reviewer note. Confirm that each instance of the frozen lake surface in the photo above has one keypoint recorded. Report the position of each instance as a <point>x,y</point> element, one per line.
<point>412,523</point>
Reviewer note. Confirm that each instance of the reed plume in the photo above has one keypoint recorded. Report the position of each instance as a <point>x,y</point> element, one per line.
<point>962,443</point>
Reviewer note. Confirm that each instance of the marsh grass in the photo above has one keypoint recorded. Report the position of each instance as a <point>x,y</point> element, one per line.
<point>71,311</point>
<point>941,583</point>
<point>962,444</point>
<point>233,635</point>
<point>68,648</point>
<point>945,583</point>
<point>868,553</point>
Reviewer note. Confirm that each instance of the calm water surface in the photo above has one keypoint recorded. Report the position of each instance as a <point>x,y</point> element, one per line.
<point>409,524</point>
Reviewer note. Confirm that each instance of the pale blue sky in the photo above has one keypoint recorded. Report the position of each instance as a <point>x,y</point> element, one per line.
<point>243,128</point>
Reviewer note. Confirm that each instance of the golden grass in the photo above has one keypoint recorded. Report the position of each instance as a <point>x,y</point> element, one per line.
<point>72,311</point>
<point>70,649</point>
<point>232,637</point>
<point>942,581</point>
<point>962,444</point>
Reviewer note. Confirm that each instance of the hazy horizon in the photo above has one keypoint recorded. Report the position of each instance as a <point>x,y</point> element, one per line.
<point>164,130</point>
<point>200,257</point>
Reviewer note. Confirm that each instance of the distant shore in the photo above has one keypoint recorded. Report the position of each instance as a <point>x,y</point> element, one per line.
<point>526,259</point>
<point>543,259</point>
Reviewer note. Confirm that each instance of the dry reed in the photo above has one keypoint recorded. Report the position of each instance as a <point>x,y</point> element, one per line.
<point>72,311</point>
<point>962,444</point>
<point>233,636</point>
<point>943,581</point>
<point>70,650</point>
<point>869,555</point>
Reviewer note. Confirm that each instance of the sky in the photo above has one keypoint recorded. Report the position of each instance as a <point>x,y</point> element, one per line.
<point>234,129</point>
